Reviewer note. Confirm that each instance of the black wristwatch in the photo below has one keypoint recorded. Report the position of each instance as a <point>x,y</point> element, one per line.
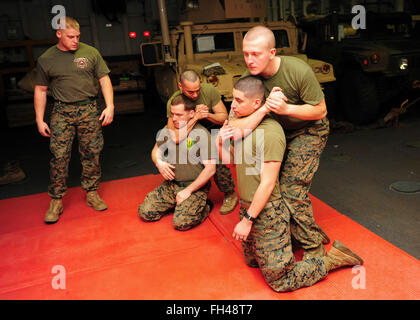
<point>247,216</point>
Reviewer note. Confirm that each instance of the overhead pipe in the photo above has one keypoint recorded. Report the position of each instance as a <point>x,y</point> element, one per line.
<point>165,31</point>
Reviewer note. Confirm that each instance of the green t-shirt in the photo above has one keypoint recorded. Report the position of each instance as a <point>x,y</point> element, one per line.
<point>189,154</point>
<point>71,75</point>
<point>266,143</point>
<point>299,84</point>
<point>208,96</point>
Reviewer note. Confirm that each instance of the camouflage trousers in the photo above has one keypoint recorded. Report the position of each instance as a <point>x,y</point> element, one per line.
<point>162,201</point>
<point>301,161</point>
<point>269,247</point>
<point>223,179</point>
<point>66,121</point>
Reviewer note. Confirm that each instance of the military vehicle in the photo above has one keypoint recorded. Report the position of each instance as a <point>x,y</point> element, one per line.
<point>377,68</point>
<point>214,51</point>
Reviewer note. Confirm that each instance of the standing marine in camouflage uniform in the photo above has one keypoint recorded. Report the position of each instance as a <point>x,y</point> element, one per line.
<point>303,118</point>
<point>70,69</point>
<point>210,113</point>
<point>187,170</point>
<point>264,227</point>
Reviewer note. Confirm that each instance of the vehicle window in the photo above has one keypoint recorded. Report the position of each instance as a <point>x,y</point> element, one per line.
<point>395,30</point>
<point>282,40</point>
<point>217,42</point>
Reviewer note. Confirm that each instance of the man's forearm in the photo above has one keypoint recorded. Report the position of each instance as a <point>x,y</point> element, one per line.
<point>269,177</point>
<point>225,152</point>
<point>107,91</point>
<point>217,118</point>
<point>249,123</point>
<point>40,102</point>
<point>260,199</point>
<point>155,154</point>
<point>306,112</point>
<point>204,176</point>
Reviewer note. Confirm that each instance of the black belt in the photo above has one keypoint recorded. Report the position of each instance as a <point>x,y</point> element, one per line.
<point>269,204</point>
<point>183,184</point>
<point>77,103</point>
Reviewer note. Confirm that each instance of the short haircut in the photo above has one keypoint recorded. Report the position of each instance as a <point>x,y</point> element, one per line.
<point>70,23</point>
<point>251,86</point>
<point>261,31</point>
<point>181,99</point>
<point>190,76</point>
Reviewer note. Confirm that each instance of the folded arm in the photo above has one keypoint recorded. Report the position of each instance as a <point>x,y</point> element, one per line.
<point>303,112</point>
<point>219,114</point>
<point>204,176</point>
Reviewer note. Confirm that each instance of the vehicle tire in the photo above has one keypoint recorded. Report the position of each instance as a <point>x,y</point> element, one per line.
<point>358,97</point>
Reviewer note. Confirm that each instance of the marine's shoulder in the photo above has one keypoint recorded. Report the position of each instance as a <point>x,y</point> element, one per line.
<point>86,49</point>
<point>272,129</point>
<point>83,45</point>
<point>291,62</point>
<point>48,54</point>
<point>208,88</point>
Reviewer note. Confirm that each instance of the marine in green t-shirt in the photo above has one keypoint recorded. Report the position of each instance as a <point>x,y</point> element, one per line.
<point>264,228</point>
<point>187,156</point>
<point>265,144</point>
<point>257,157</point>
<point>295,99</point>
<point>71,75</point>
<point>298,83</point>
<point>72,70</point>
<point>186,167</point>
<point>210,113</point>
<point>213,115</point>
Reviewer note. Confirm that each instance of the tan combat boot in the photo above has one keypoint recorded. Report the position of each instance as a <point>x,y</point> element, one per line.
<point>324,236</point>
<point>12,173</point>
<point>229,203</point>
<point>93,200</point>
<point>54,211</point>
<point>341,256</point>
<point>317,252</point>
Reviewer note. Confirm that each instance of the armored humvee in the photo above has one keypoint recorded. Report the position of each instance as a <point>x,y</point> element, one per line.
<point>376,68</point>
<point>214,51</point>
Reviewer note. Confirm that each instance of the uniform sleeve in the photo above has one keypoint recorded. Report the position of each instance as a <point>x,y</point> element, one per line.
<point>310,90</point>
<point>101,69</point>
<point>274,145</point>
<point>41,75</point>
<point>215,97</point>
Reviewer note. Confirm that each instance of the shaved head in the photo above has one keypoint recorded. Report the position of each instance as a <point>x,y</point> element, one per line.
<point>260,32</point>
<point>251,86</point>
<point>189,75</point>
